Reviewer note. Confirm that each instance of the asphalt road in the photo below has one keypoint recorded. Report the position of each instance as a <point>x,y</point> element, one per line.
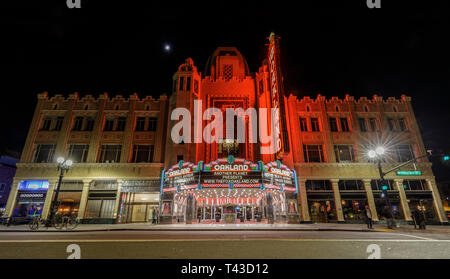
<point>224,244</point>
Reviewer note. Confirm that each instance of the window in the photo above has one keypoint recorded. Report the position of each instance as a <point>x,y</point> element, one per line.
<point>196,86</point>
<point>228,72</point>
<point>351,185</point>
<point>109,124</point>
<point>78,152</point>
<point>344,125</point>
<point>333,124</point>
<point>376,184</point>
<point>373,124</point>
<point>142,153</point>
<point>179,158</point>
<point>402,124</point>
<point>303,125</point>
<point>315,125</point>
<point>344,153</point>
<point>90,123</point>
<point>110,153</point>
<point>181,84</point>
<point>414,185</point>
<point>188,83</point>
<point>121,124</point>
<point>47,121</point>
<point>318,185</point>
<point>140,124</point>
<point>2,187</point>
<point>391,124</point>
<point>362,124</point>
<point>152,123</point>
<point>58,123</point>
<point>313,153</point>
<point>44,153</point>
<point>78,123</point>
<point>403,152</point>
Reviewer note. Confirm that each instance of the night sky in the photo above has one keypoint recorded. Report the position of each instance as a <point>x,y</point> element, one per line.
<point>331,48</point>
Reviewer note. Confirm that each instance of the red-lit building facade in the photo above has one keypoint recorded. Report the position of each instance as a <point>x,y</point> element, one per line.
<point>123,151</point>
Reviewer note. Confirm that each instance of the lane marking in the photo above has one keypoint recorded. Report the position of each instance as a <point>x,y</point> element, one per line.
<point>211,240</point>
<point>419,237</point>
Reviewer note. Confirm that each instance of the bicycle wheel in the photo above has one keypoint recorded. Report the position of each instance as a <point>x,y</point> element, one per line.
<point>34,225</point>
<point>72,222</point>
<point>58,222</point>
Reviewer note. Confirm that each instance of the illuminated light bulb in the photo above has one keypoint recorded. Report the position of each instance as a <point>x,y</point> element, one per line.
<point>380,150</point>
<point>60,160</point>
<point>372,154</point>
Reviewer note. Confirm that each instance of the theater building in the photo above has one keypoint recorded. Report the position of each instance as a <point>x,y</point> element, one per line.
<point>127,167</point>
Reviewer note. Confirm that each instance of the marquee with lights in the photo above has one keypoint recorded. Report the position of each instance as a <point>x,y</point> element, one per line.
<point>229,173</point>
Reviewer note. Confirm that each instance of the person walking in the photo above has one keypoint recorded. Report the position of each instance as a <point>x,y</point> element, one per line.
<point>387,214</point>
<point>415,218</point>
<point>421,220</point>
<point>368,216</point>
<point>154,216</point>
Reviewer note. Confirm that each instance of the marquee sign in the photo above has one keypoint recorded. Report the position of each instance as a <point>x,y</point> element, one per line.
<point>277,98</point>
<point>228,173</point>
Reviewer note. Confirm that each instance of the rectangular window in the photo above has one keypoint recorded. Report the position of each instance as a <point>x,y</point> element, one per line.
<point>344,125</point>
<point>78,123</point>
<point>414,185</point>
<point>89,123</point>
<point>362,124</point>
<point>196,86</point>
<point>140,124</point>
<point>188,83</point>
<point>152,123</point>
<point>313,153</point>
<point>181,84</point>
<point>373,124</point>
<point>142,153</point>
<point>110,153</point>
<point>46,122</point>
<point>109,124</point>
<point>391,124</point>
<point>303,125</point>
<point>78,152</point>
<point>44,153</point>
<point>377,184</point>
<point>318,185</point>
<point>333,124</point>
<point>351,185</point>
<point>58,124</point>
<point>315,125</point>
<point>402,125</point>
<point>404,152</point>
<point>121,121</point>
<point>344,153</point>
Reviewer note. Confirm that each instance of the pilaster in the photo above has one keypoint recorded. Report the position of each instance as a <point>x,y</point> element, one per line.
<point>403,200</point>
<point>370,199</point>
<point>337,200</point>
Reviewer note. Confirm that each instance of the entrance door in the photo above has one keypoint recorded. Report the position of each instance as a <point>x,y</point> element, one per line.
<point>139,213</point>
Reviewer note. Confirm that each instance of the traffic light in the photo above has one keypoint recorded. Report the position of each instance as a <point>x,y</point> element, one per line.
<point>384,188</point>
<point>446,158</point>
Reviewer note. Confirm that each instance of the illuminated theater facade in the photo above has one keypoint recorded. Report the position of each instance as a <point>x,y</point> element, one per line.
<point>128,167</point>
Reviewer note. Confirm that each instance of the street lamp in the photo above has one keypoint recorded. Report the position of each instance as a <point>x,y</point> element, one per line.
<point>377,153</point>
<point>63,166</point>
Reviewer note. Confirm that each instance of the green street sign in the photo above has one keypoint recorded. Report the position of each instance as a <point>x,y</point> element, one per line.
<point>409,173</point>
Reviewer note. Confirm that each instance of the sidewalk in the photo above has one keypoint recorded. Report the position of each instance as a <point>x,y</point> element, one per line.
<point>233,227</point>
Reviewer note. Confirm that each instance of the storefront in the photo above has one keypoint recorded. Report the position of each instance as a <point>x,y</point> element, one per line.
<point>229,190</point>
<point>100,207</point>
<point>30,200</point>
<point>139,200</point>
<point>69,197</point>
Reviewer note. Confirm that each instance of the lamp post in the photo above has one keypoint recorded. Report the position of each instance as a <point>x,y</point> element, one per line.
<point>377,153</point>
<point>63,166</point>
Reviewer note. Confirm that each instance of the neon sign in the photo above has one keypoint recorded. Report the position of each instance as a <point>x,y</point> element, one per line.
<point>34,185</point>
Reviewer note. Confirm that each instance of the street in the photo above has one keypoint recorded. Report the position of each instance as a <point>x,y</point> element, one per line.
<point>246,244</point>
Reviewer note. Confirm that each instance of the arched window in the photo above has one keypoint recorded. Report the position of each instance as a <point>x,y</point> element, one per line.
<point>86,107</point>
<point>55,107</point>
<point>394,108</point>
<point>366,109</point>
<point>308,109</point>
<point>147,107</point>
<point>116,107</point>
<point>337,109</point>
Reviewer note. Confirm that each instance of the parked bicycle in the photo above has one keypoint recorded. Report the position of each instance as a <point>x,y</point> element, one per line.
<point>58,222</point>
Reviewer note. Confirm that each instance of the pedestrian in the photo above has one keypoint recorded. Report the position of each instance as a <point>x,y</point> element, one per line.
<point>415,218</point>
<point>154,217</point>
<point>368,216</point>
<point>387,214</point>
<point>157,216</point>
<point>421,220</point>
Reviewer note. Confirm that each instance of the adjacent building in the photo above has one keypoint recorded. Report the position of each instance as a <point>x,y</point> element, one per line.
<point>124,155</point>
